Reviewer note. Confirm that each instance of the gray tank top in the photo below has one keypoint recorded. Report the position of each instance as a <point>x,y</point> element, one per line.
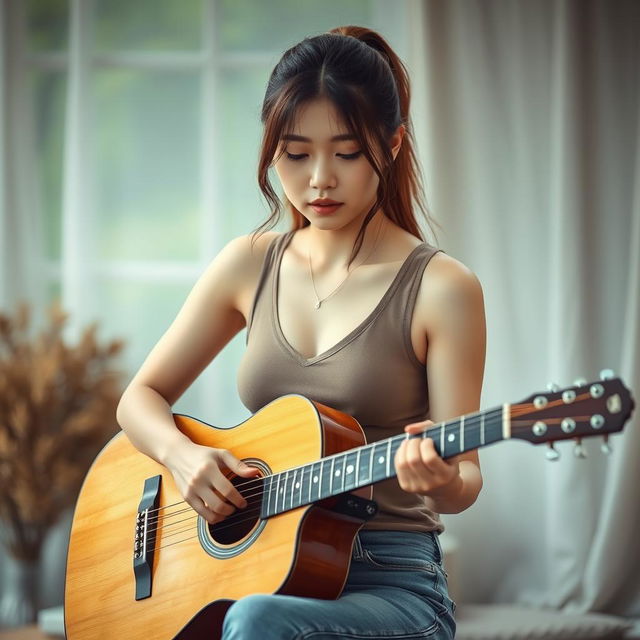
<point>372,373</point>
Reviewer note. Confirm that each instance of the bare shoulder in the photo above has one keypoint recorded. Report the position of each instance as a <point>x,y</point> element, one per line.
<point>448,290</point>
<point>239,264</point>
<point>246,252</point>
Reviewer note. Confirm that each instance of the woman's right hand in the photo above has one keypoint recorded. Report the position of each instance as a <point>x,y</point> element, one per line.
<point>198,473</point>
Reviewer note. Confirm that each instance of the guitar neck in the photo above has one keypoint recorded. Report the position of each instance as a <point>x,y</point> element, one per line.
<point>373,462</point>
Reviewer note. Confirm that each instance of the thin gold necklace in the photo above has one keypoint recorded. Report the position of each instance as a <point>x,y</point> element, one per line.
<point>319,300</point>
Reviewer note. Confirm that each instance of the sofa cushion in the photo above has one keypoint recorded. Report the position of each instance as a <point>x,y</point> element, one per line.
<point>512,622</point>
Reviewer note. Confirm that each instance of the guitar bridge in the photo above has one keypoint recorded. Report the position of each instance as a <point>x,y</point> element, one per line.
<point>145,537</point>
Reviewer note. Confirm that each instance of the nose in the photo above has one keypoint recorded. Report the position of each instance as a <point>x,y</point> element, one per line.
<point>322,174</point>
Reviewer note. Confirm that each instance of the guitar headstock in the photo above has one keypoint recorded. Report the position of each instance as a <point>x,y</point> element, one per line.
<point>583,410</point>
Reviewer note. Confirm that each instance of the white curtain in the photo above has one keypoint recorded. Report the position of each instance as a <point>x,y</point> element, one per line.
<point>20,231</point>
<point>531,145</point>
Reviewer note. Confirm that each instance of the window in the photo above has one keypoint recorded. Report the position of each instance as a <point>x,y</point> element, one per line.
<point>140,124</point>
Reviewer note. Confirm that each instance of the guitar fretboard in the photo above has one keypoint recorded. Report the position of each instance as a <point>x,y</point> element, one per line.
<point>373,462</point>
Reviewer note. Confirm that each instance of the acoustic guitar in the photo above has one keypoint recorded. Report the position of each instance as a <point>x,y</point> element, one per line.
<point>142,564</point>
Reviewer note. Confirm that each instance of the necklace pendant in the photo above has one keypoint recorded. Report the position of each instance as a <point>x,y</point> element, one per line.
<point>317,305</point>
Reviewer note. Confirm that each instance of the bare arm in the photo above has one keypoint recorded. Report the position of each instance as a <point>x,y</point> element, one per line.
<point>453,311</point>
<point>208,320</point>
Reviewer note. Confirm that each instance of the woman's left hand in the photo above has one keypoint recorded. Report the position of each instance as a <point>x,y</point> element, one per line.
<point>419,467</point>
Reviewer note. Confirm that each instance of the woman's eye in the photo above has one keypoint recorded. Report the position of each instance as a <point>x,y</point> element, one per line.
<point>294,156</point>
<point>344,156</point>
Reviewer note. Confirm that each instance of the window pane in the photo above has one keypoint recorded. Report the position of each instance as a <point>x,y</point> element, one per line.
<point>154,25</point>
<point>48,98</point>
<point>240,134</point>
<point>47,24</point>
<point>278,24</point>
<point>139,312</point>
<point>147,177</point>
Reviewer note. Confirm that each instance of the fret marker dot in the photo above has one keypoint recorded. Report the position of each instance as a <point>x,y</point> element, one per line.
<point>381,459</point>
<point>451,437</point>
<point>337,473</point>
<point>297,485</point>
<point>281,488</point>
<point>350,469</point>
<point>315,478</point>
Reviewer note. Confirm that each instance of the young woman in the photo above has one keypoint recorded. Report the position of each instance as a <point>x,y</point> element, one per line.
<point>351,308</point>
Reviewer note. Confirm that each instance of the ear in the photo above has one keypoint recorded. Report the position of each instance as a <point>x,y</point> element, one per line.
<point>396,140</point>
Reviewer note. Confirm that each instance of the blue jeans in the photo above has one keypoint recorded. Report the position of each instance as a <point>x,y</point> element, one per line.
<point>396,588</point>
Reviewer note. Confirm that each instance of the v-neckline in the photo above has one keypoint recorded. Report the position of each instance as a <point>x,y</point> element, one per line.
<point>354,332</point>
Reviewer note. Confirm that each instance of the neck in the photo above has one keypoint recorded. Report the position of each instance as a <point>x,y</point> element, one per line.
<point>331,249</point>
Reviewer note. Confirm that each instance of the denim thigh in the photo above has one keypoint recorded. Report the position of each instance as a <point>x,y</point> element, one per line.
<point>396,588</point>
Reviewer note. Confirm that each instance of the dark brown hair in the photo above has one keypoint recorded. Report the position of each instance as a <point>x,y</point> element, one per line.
<point>356,69</point>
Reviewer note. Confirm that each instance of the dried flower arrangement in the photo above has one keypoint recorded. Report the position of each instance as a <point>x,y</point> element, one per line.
<point>57,409</point>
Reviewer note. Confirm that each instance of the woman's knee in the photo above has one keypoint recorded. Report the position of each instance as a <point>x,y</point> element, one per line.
<point>250,617</point>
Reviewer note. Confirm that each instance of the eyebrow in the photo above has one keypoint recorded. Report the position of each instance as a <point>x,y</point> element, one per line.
<point>295,138</point>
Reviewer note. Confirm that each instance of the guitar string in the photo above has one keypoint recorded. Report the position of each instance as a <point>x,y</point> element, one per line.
<point>247,514</point>
<point>260,481</point>
<point>403,436</point>
<point>233,524</point>
<point>257,482</point>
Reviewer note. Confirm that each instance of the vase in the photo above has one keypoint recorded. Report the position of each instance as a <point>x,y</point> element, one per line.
<point>19,601</point>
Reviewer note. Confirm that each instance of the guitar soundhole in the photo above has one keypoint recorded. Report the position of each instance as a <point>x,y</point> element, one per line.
<point>239,524</point>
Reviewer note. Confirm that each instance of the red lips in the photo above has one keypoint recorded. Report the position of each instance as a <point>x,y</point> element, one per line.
<point>324,201</point>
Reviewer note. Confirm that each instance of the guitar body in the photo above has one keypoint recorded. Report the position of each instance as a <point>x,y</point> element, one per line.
<point>142,565</point>
<point>198,571</point>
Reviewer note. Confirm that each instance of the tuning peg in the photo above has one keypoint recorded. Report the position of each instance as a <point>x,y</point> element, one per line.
<point>580,382</point>
<point>605,447</point>
<point>553,387</point>
<point>607,374</point>
<point>579,451</point>
<point>552,453</point>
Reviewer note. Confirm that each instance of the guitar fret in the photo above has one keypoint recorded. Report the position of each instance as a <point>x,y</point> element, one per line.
<point>320,479</point>
<point>462,434</point>
<point>380,460</point>
<point>277,493</point>
<point>441,452</point>
<point>270,478</point>
<point>351,470</point>
<point>344,470</point>
<point>283,489</point>
<point>388,456</point>
<point>451,440</point>
<point>333,461</point>
<point>358,467</point>
<point>471,433</point>
<point>293,486</point>
<point>326,479</point>
<point>394,444</point>
<point>318,475</point>
<point>482,429</point>
<point>287,489</point>
<point>301,484</point>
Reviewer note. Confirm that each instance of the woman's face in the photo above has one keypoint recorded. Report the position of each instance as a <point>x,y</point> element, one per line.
<point>324,167</point>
